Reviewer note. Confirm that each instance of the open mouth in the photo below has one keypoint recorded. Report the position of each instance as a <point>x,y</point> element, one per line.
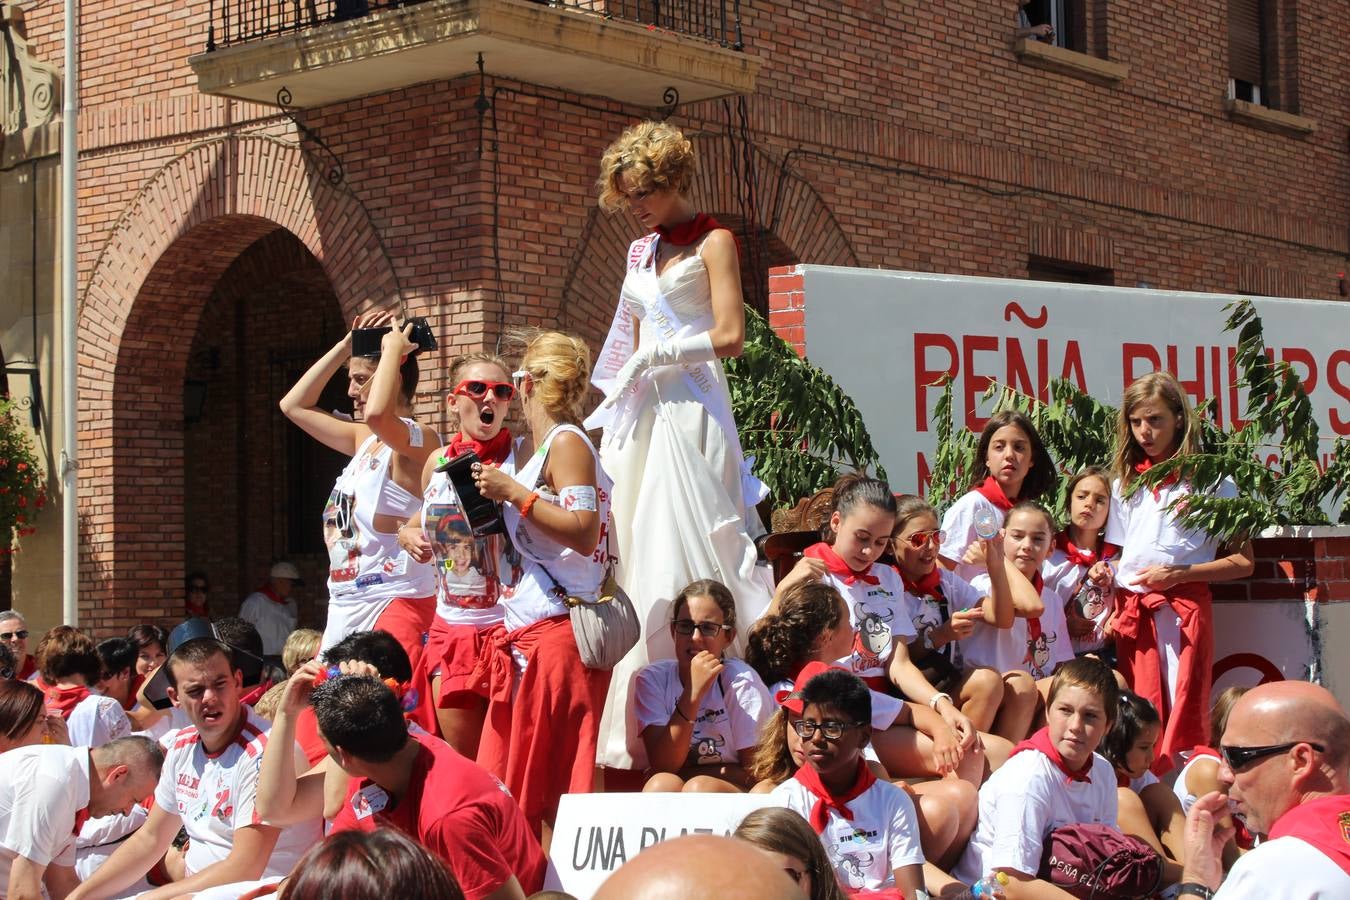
<point>486,415</point>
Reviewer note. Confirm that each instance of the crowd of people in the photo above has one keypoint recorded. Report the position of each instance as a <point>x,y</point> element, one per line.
<point>1004,699</point>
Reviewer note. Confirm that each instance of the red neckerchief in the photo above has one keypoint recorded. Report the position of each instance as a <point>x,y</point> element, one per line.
<point>130,703</point>
<point>197,611</point>
<point>1080,557</point>
<point>80,818</point>
<point>1034,624</point>
<point>494,450</point>
<point>266,591</point>
<point>255,693</point>
<point>1324,823</point>
<point>1172,479</point>
<point>1041,741</point>
<point>992,491</point>
<point>29,668</point>
<point>686,233</point>
<point>929,585</point>
<point>825,801</point>
<point>836,565</point>
<point>1122,780</point>
<point>62,700</point>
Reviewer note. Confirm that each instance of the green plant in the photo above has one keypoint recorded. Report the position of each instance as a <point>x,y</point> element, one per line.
<point>23,487</point>
<point>1080,431</point>
<point>792,417</point>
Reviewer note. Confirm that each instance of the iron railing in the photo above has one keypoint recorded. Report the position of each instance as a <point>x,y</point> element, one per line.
<point>242,21</point>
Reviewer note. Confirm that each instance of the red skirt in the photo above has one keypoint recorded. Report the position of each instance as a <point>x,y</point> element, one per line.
<point>408,619</point>
<point>453,651</point>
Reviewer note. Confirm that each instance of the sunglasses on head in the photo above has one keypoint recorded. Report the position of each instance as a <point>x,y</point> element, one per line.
<point>919,538</point>
<point>1236,758</point>
<point>10,635</point>
<point>476,389</point>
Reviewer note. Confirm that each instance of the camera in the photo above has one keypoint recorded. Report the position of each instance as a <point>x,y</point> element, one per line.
<point>483,515</point>
<point>366,341</point>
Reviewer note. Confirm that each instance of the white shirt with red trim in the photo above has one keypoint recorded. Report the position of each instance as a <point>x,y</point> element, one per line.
<point>1022,802</point>
<point>958,524</point>
<point>728,718</point>
<point>1147,534</point>
<point>215,794</point>
<point>879,617</point>
<point>44,789</point>
<point>95,720</point>
<point>1007,649</point>
<point>882,836</point>
<point>274,621</point>
<point>1286,868</point>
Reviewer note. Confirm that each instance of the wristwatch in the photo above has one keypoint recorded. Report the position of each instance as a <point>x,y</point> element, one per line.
<point>1194,889</point>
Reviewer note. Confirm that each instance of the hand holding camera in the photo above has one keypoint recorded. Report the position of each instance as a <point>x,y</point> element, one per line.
<point>373,332</point>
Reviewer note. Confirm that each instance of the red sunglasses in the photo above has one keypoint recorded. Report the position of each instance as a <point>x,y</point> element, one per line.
<point>476,390</point>
<point>919,538</point>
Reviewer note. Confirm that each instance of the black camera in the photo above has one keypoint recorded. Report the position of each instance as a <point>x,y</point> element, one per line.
<point>483,515</point>
<point>366,341</point>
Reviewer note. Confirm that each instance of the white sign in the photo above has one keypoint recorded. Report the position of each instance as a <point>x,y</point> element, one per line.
<point>886,336</point>
<point>596,833</point>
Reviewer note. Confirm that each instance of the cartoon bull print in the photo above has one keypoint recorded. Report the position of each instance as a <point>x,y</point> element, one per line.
<point>855,869</point>
<point>873,640</point>
<point>1038,653</point>
<point>709,749</point>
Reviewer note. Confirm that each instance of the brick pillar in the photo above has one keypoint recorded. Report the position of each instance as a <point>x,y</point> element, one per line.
<point>787,305</point>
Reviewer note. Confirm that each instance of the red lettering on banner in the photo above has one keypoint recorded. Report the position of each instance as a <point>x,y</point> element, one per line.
<point>975,384</point>
<point>1339,424</point>
<point>1129,353</point>
<point>1018,376</point>
<point>925,377</point>
<point>924,474</point>
<point>1216,371</point>
<point>1194,386</point>
<point>1297,356</point>
<point>1234,410</point>
<point>1073,366</point>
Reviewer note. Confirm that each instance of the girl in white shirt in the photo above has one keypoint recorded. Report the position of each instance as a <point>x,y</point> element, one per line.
<point>699,713</point>
<point>1163,625</point>
<point>1079,567</point>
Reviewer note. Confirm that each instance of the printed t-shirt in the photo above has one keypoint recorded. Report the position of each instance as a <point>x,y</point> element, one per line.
<point>95,720</point>
<point>878,615</point>
<point>1148,534</point>
<point>883,835</point>
<point>459,812</point>
<point>926,613</point>
<point>728,718</point>
<point>1068,581</point>
<point>215,794</point>
<point>1006,649</point>
<point>45,787</point>
<point>958,524</point>
<point>1022,802</point>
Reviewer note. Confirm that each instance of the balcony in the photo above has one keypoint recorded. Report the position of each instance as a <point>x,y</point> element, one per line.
<point>327,51</point>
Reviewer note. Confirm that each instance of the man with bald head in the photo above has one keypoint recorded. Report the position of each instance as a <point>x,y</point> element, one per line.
<point>700,867</point>
<point>1286,765</point>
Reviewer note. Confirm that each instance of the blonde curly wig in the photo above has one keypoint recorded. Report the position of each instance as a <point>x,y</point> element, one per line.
<point>655,155</point>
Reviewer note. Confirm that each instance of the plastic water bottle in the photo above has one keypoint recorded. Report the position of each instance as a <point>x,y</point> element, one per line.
<point>990,886</point>
<point>987,523</point>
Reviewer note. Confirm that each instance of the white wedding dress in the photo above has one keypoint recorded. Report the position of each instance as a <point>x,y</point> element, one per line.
<point>679,508</point>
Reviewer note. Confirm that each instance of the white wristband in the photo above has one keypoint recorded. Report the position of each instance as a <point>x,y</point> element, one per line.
<point>933,700</point>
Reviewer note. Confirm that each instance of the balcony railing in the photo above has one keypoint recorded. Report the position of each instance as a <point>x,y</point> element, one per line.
<point>243,21</point>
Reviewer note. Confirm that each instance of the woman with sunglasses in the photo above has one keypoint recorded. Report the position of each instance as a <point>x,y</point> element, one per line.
<point>372,582</point>
<point>682,509</point>
<point>544,705</point>
<point>469,570</point>
<point>699,713</point>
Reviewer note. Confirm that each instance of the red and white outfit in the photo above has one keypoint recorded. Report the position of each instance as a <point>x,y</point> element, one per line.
<point>1065,574</point>
<point>214,794</point>
<point>372,582</point>
<point>44,799</point>
<point>1306,856</point>
<point>91,719</point>
<point>274,617</point>
<point>470,573</point>
<point>728,718</point>
<point>1031,795</point>
<point>544,706</point>
<point>460,813</point>
<point>877,613</point>
<point>958,524</point>
<point>1035,646</point>
<point>1164,639</point>
<point>930,602</point>
<point>868,833</point>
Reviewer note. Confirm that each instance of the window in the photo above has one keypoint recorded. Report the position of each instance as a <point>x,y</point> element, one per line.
<point>1042,268</point>
<point>1246,51</point>
<point>1079,25</point>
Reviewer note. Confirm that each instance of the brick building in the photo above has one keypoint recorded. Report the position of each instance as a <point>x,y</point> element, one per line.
<point>223,243</point>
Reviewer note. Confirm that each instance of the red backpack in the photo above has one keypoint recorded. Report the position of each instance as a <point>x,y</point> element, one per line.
<point>1097,862</point>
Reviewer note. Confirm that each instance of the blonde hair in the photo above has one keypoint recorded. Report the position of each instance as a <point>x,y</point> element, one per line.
<point>656,155</point>
<point>560,367</point>
<point>301,646</point>
<point>464,360</point>
<point>1161,386</point>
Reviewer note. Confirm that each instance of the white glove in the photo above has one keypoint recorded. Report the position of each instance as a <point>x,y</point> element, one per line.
<point>694,348</point>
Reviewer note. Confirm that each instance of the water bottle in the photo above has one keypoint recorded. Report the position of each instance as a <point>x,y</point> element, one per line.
<point>990,886</point>
<point>987,523</point>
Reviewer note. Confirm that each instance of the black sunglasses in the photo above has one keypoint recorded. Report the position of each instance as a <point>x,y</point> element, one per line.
<point>1236,758</point>
<point>10,635</point>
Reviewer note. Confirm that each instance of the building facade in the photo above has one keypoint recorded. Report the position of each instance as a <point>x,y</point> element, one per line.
<point>253,174</point>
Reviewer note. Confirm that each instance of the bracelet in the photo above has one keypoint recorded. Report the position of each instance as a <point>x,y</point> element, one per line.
<point>681,714</point>
<point>528,505</point>
<point>1194,889</point>
<point>933,700</point>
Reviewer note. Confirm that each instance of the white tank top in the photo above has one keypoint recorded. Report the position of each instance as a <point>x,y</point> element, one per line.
<point>580,575</point>
<point>470,572</point>
<point>365,565</point>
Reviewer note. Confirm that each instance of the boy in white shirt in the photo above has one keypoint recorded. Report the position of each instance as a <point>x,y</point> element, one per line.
<point>208,786</point>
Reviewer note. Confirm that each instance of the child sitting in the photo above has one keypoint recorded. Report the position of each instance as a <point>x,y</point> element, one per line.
<point>1148,809</point>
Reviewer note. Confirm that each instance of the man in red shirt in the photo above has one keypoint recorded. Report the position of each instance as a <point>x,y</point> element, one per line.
<point>423,787</point>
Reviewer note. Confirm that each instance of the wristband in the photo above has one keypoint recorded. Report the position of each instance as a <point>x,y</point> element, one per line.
<point>1194,889</point>
<point>933,700</point>
<point>528,505</point>
<point>681,714</point>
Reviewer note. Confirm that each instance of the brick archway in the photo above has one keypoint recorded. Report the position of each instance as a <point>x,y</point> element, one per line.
<point>138,314</point>
<point>793,220</point>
